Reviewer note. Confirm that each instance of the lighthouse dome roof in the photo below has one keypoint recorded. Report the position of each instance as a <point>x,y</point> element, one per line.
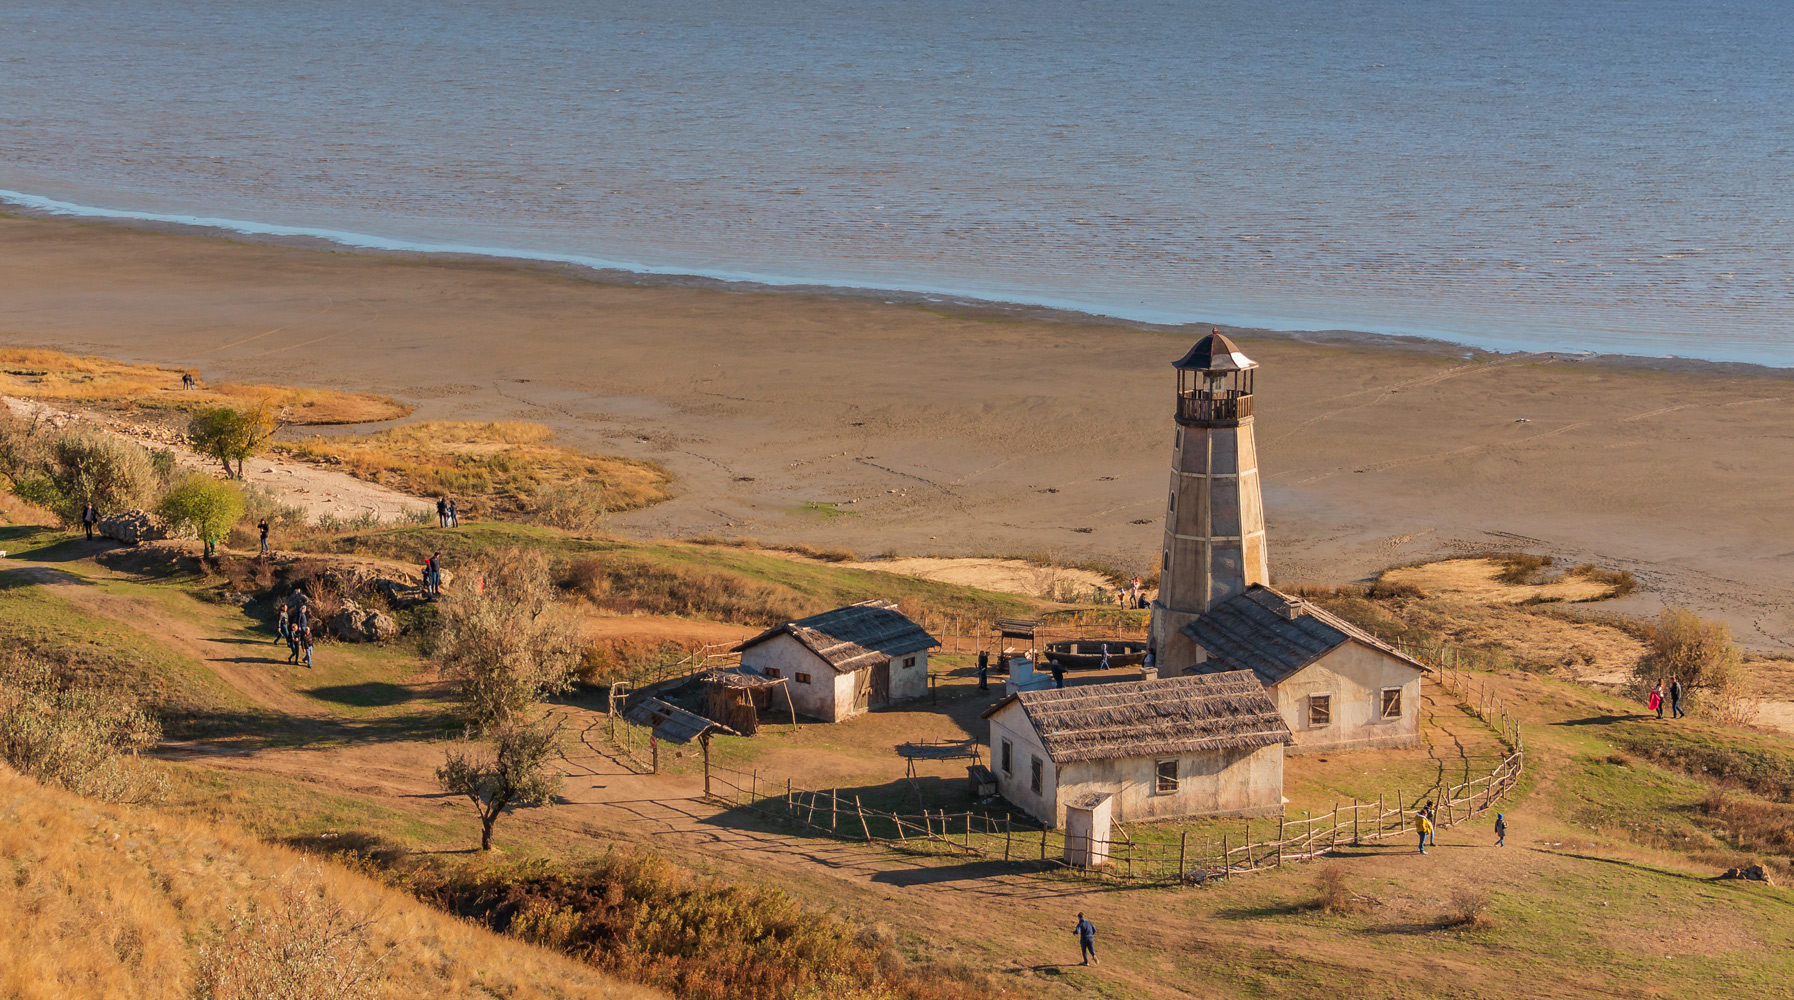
<point>1215,353</point>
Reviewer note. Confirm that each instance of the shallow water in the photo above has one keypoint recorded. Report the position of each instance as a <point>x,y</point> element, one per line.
<point>1600,175</point>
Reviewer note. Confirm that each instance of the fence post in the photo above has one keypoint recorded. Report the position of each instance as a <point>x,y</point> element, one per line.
<point>1043,847</point>
<point>1226,851</point>
<point>1379,815</point>
<point>1354,822</point>
<point>1333,838</point>
<point>834,809</point>
<point>790,807</point>
<point>867,830</point>
<point>1007,830</point>
<point>968,830</point>
<point>1183,846</point>
<point>754,787</point>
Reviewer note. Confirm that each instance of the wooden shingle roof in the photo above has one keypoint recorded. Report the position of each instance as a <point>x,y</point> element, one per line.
<point>672,723</point>
<point>854,637</point>
<point>1163,717</point>
<point>1274,635</point>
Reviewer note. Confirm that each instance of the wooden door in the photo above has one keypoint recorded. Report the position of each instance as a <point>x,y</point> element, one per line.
<point>881,684</point>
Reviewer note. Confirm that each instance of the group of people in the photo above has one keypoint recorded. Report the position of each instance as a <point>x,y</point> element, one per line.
<point>446,514</point>
<point>1132,596</point>
<point>1671,693</point>
<point>1426,824</point>
<point>432,573</point>
<point>294,628</point>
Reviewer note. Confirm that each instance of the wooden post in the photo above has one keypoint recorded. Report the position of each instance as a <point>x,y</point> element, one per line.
<point>834,809</point>
<point>1401,815</point>
<point>1226,862</point>
<point>1008,831</point>
<point>704,741</point>
<point>1379,815</point>
<point>790,807</point>
<point>968,829</point>
<point>754,787</point>
<point>867,830</point>
<point>1333,839</point>
<point>810,820</point>
<point>1354,822</point>
<point>654,744</point>
<point>1183,846</point>
<point>1043,847</point>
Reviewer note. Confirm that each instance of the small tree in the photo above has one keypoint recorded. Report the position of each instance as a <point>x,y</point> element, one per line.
<point>78,467</point>
<point>204,506</point>
<point>231,435</point>
<point>513,773</point>
<point>75,737</point>
<point>1697,651</point>
<point>506,645</point>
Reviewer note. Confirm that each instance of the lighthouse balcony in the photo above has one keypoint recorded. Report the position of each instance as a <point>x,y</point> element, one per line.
<point>1198,408</point>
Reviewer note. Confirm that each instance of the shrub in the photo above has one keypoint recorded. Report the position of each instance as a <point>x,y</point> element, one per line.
<point>1687,646</point>
<point>204,506</point>
<point>1522,567</point>
<point>505,644</point>
<point>77,467</point>
<point>576,506</point>
<point>1469,909</point>
<point>1332,894</point>
<point>76,737</point>
<point>1622,581</point>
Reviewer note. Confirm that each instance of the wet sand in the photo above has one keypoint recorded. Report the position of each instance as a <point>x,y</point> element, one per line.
<point>938,429</point>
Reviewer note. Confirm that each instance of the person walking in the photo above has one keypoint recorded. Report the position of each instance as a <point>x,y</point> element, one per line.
<point>1675,698</point>
<point>1425,826</point>
<point>1105,656</point>
<point>454,514</point>
<point>1500,830</point>
<point>984,670</point>
<point>305,641</point>
<point>90,516</point>
<point>1654,701</point>
<point>263,528</point>
<point>293,643</point>
<point>442,512</point>
<point>1086,932</point>
<point>435,574</point>
<point>1058,673</point>
<point>282,621</point>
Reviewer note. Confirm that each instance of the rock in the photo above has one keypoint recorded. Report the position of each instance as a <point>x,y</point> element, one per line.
<point>130,527</point>
<point>1749,873</point>
<point>355,623</point>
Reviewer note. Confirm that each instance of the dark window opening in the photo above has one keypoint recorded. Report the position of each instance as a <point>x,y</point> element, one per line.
<point>1008,757</point>
<point>1392,703</point>
<point>1320,710</point>
<point>1034,776</point>
<point>803,678</point>
<point>1167,776</point>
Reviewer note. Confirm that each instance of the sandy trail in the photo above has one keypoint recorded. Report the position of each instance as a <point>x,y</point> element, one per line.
<point>317,490</point>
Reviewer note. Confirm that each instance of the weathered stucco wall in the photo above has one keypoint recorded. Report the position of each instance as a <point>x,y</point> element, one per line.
<point>908,683</point>
<point>1015,785</point>
<point>817,699</point>
<point>1215,783</point>
<point>1355,676</point>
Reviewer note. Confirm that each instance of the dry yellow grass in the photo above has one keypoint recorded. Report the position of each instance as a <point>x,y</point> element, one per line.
<point>57,377</point>
<point>1479,580</point>
<point>499,467</point>
<point>112,901</point>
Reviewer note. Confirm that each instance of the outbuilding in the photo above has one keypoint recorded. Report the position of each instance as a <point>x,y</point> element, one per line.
<point>1337,686</point>
<point>1209,745</point>
<point>844,662</point>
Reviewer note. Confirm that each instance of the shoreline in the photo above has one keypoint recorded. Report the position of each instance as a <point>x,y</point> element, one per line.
<point>617,272</point>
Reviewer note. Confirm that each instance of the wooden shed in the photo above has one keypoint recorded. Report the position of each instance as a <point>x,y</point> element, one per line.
<point>1336,685</point>
<point>736,696</point>
<point>1173,747</point>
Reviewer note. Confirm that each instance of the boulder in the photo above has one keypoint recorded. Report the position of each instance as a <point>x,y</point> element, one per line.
<point>355,623</point>
<point>1749,873</point>
<point>130,527</point>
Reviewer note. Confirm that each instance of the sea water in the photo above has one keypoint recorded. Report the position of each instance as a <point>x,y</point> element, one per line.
<point>1601,175</point>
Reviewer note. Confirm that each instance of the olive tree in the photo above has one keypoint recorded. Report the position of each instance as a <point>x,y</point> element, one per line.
<point>510,770</point>
<point>504,642</point>
<point>232,435</point>
<point>204,506</point>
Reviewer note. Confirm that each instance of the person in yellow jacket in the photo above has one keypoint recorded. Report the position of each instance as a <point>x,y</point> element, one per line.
<point>1425,826</point>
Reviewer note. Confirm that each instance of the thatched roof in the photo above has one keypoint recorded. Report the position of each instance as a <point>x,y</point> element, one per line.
<point>742,677</point>
<point>672,723</point>
<point>853,638</point>
<point>1274,635</point>
<point>1164,717</point>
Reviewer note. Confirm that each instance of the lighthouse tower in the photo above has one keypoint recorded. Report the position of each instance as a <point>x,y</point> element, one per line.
<point>1214,518</point>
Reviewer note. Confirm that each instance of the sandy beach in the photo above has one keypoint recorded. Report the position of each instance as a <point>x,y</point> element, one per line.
<point>931,430</point>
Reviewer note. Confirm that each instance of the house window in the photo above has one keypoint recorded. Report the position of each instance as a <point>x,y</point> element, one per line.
<point>1167,776</point>
<point>803,678</point>
<point>909,661</point>
<point>1392,703</point>
<point>1008,757</point>
<point>1320,710</point>
<point>770,671</point>
<point>1034,776</point>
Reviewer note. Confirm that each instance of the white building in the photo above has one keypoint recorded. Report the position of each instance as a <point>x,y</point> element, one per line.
<point>1207,745</point>
<point>844,662</point>
<point>1336,685</point>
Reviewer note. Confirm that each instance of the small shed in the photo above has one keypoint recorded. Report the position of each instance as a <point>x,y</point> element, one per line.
<point>735,697</point>
<point>1208,745</point>
<point>1089,824</point>
<point>1337,686</point>
<point>845,662</point>
<point>672,724</point>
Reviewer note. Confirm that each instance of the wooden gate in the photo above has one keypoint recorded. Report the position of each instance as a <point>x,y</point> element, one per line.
<point>881,684</point>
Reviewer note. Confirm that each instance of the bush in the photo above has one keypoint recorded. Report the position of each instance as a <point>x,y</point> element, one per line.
<point>294,944</point>
<point>76,737</point>
<point>204,506</point>
<point>1522,567</point>
<point>1469,909</point>
<point>505,645</point>
<point>1332,894</point>
<point>576,506</point>
<point>77,467</point>
<point>1687,646</point>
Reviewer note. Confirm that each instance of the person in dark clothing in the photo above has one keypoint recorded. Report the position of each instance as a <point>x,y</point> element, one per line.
<point>263,527</point>
<point>1675,698</point>
<point>282,622</point>
<point>293,643</point>
<point>1105,656</point>
<point>442,512</point>
<point>454,515</point>
<point>984,670</point>
<point>90,516</point>
<point>305,643</point>
<point>1500,830</point>
<point>1058,674</point>
<point>1086,932</point>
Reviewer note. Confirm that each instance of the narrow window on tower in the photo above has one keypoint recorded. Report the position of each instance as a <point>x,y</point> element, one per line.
<point>1165,561</point>
<point>1173,501</point>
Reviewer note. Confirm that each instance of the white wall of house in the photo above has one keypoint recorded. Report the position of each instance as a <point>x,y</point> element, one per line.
<point>818,697</point>
<point>1354,677</point>
<point>1244,782</point>
<point>911,682</point>
<point>1015,782</point>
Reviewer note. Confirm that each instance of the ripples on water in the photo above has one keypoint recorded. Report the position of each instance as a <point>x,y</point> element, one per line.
<point>1597,175</point>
